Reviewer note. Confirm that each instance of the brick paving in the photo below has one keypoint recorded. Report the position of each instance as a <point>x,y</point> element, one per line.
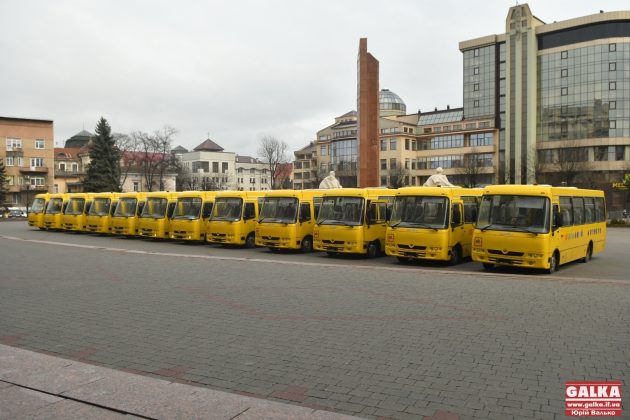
<point>399,344</point>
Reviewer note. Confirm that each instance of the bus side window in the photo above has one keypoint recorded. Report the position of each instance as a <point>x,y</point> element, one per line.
<point>140,207</point>
<point>170,209</point>
<point>566,210</point>
<point>112,210</point>
<point>250,211</point>
<point>305,212</point>
<point>207,210</point>
<point>578,210</point>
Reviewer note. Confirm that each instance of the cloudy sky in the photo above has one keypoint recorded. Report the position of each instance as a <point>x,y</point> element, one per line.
<point>236,70</point>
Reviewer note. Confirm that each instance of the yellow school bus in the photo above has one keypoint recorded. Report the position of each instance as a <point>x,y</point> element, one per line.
<point>432,223</point>
<point>75,214</point>
<point>53,215</point>
<point>128,209</point>
<point>233,220</point>
<point>36,211</point>
<point>352,220</point>
<point>155,218</point>
<point>287,219</point>
<point>192,210</point>
<point>538,226</point>
<point>101,211</point>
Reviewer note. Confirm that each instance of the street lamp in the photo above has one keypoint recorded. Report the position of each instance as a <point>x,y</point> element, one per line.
<point>28,186</point>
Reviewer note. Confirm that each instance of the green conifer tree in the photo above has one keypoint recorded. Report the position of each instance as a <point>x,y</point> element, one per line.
<point>3,184</point>
<point>103,172</point>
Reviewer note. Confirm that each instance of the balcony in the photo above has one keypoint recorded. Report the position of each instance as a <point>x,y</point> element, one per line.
<point>69,174</point>
<point>24,187</point>
<point>34,169</point>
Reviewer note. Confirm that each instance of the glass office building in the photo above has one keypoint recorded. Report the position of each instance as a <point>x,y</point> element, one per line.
<point>559,93</point>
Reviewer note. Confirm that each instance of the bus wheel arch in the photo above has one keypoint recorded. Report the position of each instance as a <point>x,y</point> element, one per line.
<point>589,253</point>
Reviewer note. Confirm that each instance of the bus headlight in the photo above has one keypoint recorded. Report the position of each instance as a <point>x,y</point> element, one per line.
<point>435,248</point>
<point>390,238</point>
<point>534,255</point>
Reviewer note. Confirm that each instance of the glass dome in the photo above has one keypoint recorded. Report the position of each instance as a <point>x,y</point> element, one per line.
<point>390,103</point>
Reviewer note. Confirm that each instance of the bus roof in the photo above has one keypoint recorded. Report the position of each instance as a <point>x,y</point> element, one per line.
<point>300,194</point>
<point>359,192</point>
<point>438,191</point>
<point>546,190</point>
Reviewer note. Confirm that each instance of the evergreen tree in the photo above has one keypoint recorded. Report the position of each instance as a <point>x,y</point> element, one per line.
<point>3,184</point>
<point>103,172</point>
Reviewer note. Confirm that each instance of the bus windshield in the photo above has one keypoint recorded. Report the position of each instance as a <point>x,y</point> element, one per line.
<point>126,207</point>
<point>519,213</point>
<point>420,212</point>
<point>279,210</point>
<point>227,209</point>
<point>341,211</point>
<point>75,206</point>
<point>38,205</point>
<point>155,208</point>
<point>100,207</point>
<point>187,208</point>
<point>54,206</point>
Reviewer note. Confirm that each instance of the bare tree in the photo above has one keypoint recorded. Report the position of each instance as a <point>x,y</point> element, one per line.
<point>154,156</point>
<point>398,176</point>
<point>570,163</point>
<point>128,146</point>
<point>472,169</point>
<point>273,152</point>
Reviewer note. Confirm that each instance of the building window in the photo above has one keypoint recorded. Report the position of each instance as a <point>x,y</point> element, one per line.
<point>612,47</point>
<point>322,150</point>
<point>564,91</point>
<point>14,143</point>
<point>39,144</point>
<point>56,189</point>
<point>383,180</point>
<point>392,163</point>
<point>476,52</point>
<point>476,70</point>
<point>612,66</point>
<point>37,161</point>
<point>476,87</point>
<point>564,54</point>
<point>406,144</point>
<point>383,145</point>
<point>383,164</point>
<point>612,85</point>
<point>62,167</point>
<point>427,130</point>
<point>411,130</point>
<point>564,73</point>
<point>392,144</point>
<point>612,105</point>
<point>136,186</point>
<point>252,171</point>
<point>215,167</point>
<point>476,103</point>
<point>612,124</point>
<point>224,167</point>
<point>8,161</point>
<point>75,167</point>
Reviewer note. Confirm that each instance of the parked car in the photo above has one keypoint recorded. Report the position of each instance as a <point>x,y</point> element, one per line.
<point>16,213</point>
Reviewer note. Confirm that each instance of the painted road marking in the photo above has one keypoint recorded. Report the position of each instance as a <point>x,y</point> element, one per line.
<point>326,265</point>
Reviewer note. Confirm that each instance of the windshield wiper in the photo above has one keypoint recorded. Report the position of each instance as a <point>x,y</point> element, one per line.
<point>424,225</point>
<point>487,226</point>
<point>395,224</point>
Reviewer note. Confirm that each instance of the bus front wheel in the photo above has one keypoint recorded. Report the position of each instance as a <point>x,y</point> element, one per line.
<point>307,244</point>
<point>553,263</point>
<point>373,249</point>
<point>456,255</point>
<point>589,253</point>
<point>250,241</point>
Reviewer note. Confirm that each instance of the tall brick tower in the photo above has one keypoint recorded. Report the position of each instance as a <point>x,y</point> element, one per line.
<point>367,107</point>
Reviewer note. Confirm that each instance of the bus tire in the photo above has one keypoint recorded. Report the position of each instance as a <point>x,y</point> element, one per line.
<point>250,241</point>
<point>488,266</point>
<point>373,249</point>
<point>553,263</point>
<point>456,255</point>
<point>589,253</point>
<point>307,244</point>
